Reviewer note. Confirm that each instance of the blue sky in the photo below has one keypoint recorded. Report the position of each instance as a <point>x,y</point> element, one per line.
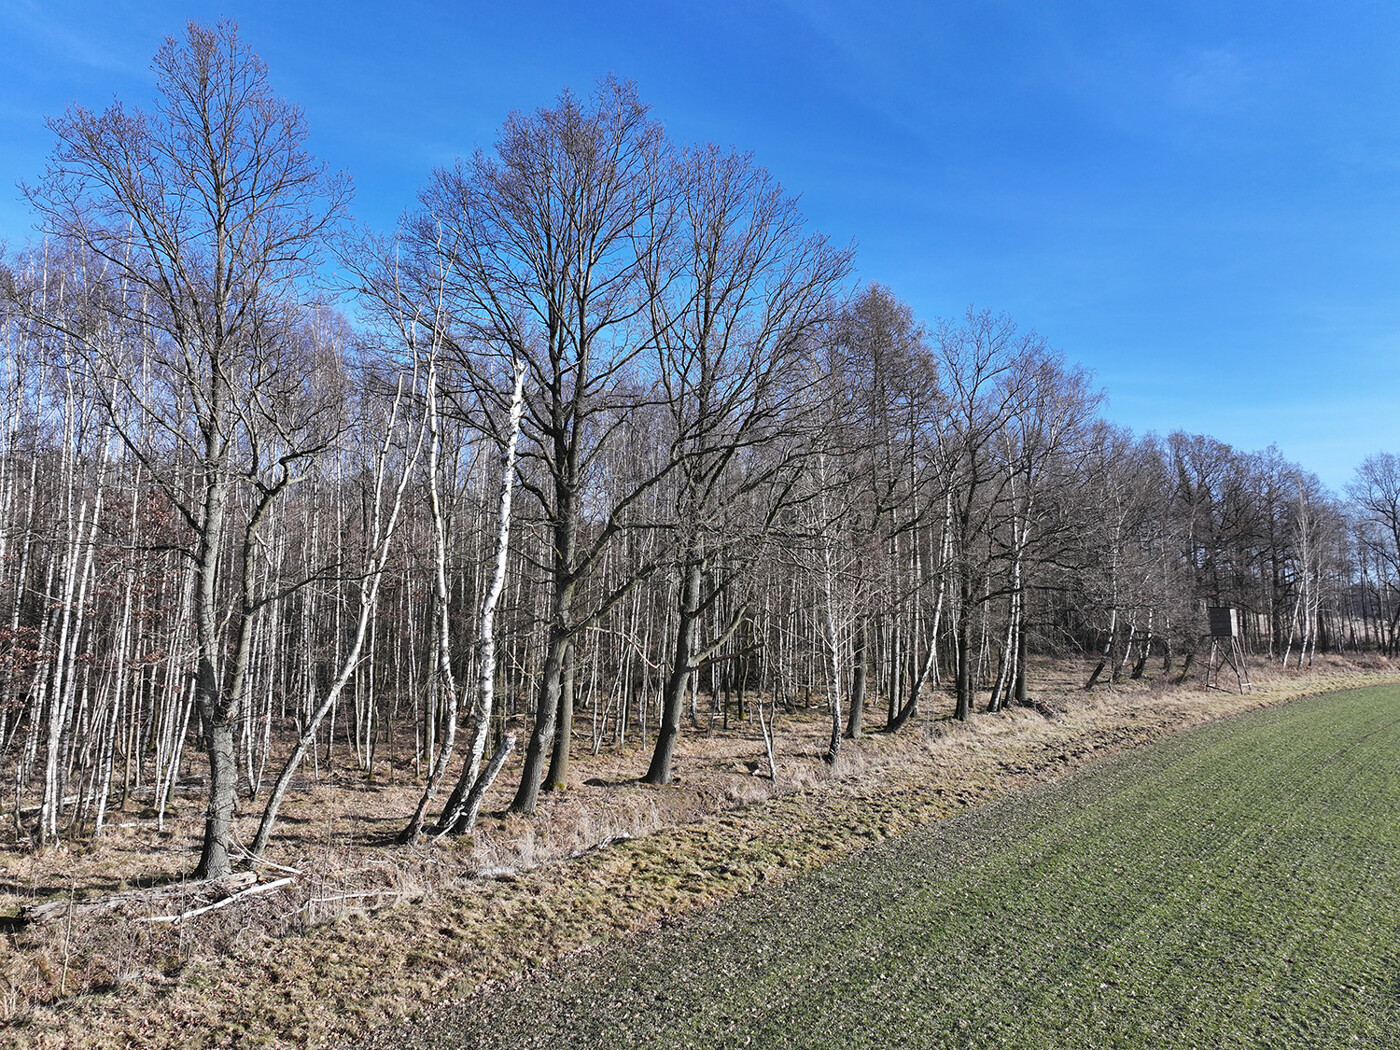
<point>1200,202</point>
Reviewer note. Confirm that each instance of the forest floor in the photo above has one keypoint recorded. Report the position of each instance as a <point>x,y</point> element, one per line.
<point>366,932</point>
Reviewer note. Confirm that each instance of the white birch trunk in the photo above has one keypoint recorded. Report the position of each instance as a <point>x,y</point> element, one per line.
<point>466,792</point>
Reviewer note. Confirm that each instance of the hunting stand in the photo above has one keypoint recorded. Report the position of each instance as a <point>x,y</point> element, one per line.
<point>1225,641</point>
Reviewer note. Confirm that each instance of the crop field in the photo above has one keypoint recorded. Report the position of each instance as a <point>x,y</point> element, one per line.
<point>1234,886</point>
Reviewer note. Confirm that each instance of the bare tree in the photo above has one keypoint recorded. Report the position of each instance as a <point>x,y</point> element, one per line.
<point>1127,549</point>
<point>203,217</point>
<point>460,813</point>
<point>1375,493</point>
<point>883,380</point>
<point>977,366</point>
<point>734,301</point>
<point>549,234</point>
<point>1312,520</point>
<point>395,440</point>
<point>1042,451</point>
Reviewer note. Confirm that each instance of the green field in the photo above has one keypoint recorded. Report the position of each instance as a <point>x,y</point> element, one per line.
<point>1235,886</point>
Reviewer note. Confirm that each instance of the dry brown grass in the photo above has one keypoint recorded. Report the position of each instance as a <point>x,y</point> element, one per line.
<point>331,955</point>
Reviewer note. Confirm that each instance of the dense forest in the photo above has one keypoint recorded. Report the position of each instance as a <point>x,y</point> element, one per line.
<point>603,441</point>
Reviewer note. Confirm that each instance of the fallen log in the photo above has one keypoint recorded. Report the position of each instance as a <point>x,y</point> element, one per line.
<point>262,887</point>
<point>117,903</point>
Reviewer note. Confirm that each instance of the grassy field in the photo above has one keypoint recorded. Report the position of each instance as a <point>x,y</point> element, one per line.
<point>1234,886</point>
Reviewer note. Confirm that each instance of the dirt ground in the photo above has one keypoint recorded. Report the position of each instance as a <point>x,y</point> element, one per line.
<point>362,932</point>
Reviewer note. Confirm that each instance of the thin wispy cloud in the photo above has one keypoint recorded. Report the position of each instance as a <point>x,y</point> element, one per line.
<point>37,23</point>
<point>1214,81</point>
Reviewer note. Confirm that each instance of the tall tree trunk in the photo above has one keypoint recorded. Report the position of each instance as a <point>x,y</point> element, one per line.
<point>1020,692</point>
<point>453,817</point>
<point>1107,649</point>
<point>564,582</point>
<point>214,861</point>
<point>558,775</point>
<point>442,642</point>
<point>678,681</point>
<point>856,714</point>
<point>214,719</point>
<point>962,655</point>
<point>546,715</point>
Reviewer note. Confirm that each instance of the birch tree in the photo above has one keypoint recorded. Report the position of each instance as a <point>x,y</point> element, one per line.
<point>395,441</point>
